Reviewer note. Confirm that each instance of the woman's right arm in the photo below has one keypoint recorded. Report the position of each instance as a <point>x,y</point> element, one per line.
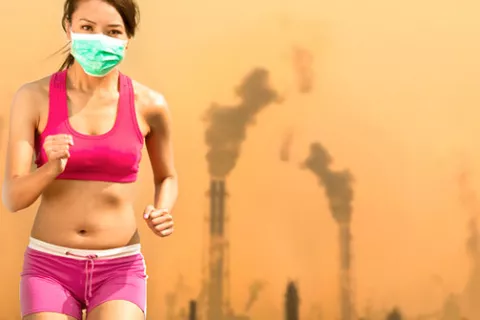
<point>21,187</point>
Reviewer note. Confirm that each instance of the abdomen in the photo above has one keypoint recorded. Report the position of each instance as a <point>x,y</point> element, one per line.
<point>87,215</point>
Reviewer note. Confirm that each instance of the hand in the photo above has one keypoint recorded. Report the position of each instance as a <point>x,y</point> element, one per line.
<point>160,221</point>
<point>57,149</point>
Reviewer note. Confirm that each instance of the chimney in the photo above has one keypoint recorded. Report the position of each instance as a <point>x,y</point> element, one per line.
<point>347,308</point>
<point>292,302</point>
<point>217,207</point>
<point>218,246</point>
<point>192,314</point>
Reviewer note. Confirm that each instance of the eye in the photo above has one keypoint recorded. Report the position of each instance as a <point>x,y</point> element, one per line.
<point>87,28</point>
<point>115,32</point>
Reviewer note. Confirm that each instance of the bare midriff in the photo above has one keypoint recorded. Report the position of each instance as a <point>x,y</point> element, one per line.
<point>87,215</point>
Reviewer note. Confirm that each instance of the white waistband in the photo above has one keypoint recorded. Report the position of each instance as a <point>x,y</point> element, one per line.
<point>82,254</point>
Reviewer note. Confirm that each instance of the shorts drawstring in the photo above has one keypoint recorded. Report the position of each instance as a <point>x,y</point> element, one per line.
<point>89,268</point>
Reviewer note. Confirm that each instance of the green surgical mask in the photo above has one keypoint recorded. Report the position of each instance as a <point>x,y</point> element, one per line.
<point>97,53</point>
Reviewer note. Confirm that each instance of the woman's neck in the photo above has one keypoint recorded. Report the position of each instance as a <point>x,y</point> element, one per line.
<point>81,81</point>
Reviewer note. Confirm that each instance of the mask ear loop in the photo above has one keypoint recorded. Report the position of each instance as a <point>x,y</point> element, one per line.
<point>72,36</point>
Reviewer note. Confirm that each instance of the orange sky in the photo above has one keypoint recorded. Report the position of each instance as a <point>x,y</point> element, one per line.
<point>395,101</point>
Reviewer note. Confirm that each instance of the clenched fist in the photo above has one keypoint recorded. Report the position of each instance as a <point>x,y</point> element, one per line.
<point>160,221</point>
<point>57,149</point>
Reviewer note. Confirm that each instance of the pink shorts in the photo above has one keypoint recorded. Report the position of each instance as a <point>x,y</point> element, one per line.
<point>68,281</point>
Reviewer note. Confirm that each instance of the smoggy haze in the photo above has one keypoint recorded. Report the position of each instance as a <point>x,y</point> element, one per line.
<point>394,99</point>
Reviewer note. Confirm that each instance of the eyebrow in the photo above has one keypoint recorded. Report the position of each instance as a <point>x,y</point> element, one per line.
<point>110,25</point>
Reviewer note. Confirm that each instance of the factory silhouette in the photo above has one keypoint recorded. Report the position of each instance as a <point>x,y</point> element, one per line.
<point>227,128</point>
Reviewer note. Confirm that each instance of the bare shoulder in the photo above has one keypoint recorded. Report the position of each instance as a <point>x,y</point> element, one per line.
<point>34,89</point>
<point>28,99</point>
<point>151,104</point>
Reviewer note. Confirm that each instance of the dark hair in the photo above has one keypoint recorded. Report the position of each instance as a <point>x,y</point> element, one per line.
<point>128,10</point>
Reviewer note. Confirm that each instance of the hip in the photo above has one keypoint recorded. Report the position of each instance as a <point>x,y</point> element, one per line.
<point>81,278</point>
<point>70,265</point>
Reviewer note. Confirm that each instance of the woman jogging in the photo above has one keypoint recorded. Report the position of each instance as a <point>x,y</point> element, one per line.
<point>87,125</point>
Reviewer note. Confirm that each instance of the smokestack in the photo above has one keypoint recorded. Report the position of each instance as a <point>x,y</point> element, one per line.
<point>218,247</point>
<point>338,189</point>
<point>217,207</point>
<point>346,303</point>
<point>292,302</point>
<point>192,313</point>
<point>394,315</point>
<point>225,133</point>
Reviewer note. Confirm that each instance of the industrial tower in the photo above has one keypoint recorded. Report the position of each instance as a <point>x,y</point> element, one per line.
<point>292,302</point>
<point>347,309</point>
<point>218,271</point>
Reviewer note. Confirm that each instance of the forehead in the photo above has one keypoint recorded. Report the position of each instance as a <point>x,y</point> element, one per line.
<point>97,11</point>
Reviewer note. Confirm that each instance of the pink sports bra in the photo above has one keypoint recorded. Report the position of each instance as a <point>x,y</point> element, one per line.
<point>110,157</point>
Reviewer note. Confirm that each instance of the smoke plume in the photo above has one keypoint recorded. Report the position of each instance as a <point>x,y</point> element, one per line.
<point>337,184</point>
<point>286,146</point>
<point>255,288</point>
<point>303,64</point>
<point>227,125</point>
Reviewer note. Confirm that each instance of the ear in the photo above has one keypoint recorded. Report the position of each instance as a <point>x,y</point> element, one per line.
<point>128,43</point>
<point>68,28</point>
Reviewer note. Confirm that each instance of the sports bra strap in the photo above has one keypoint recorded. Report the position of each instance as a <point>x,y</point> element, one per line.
<point>127,116</point>
<point>125,104</point>
<point>58,108</point>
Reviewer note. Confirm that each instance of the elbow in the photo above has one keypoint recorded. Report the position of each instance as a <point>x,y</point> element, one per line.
<point>13,209</point>
<point>170,182</point>
<point>162,180</point>
<point>11,206</point>
<point>9,201</point>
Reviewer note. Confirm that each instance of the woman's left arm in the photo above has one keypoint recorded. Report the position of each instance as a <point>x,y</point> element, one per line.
<point>160,151</point>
